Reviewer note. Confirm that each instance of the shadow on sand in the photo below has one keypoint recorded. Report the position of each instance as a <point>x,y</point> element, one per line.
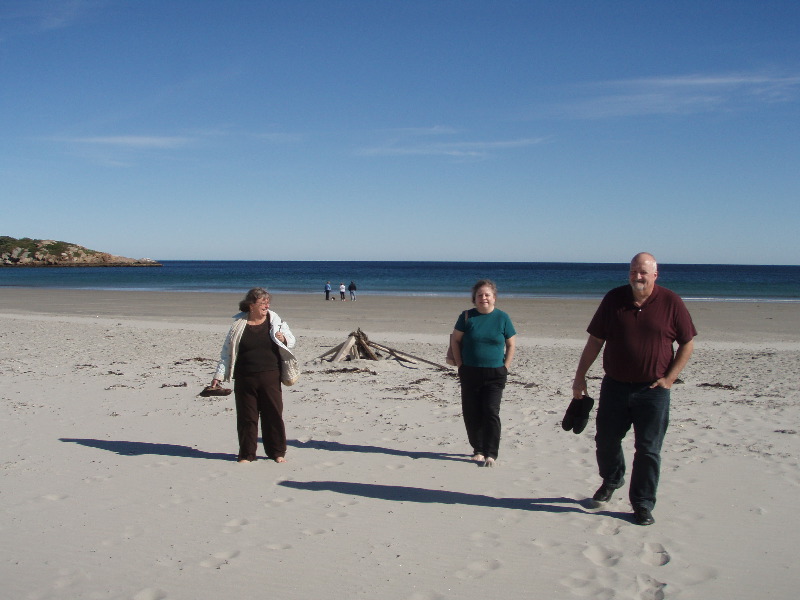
<point>396,493</point>
<point>339,447</point>
<point>125,448</point>
<point>128,448</point>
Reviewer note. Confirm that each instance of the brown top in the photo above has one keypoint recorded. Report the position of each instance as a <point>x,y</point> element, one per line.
<point>257,352</point>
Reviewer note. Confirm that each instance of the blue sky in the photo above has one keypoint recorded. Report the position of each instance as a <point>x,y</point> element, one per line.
<point>404,130</point>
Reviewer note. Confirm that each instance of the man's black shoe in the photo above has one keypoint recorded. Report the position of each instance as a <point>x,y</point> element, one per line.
<point>577,416</point>
<point>603,493</point>
<point>643,516</point>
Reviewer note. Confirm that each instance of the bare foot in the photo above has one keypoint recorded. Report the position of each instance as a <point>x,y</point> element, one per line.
<point>478,457</point>
<point>489,462</point>
<point>280,459</point>
<point>244,461</point>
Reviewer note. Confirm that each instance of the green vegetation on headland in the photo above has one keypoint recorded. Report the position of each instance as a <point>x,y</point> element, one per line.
<point>26,252</point>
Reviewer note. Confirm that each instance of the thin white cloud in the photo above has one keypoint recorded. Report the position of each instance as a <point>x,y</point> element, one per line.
<point>230,132</point>
<point>280,138</point>
<point>131,141</point>
<point>463,149</point>
<point>58,15</point>
<point>424,131</point>
<point>31,16</point>
<point>684,94</point>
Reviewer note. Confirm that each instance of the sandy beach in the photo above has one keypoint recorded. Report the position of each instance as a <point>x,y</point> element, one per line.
<point>118,482</point>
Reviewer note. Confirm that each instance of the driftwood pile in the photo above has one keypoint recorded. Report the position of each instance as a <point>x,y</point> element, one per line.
<point>358,345</point>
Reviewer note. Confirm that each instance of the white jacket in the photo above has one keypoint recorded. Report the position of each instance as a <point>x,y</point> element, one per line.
<point>227,357</point>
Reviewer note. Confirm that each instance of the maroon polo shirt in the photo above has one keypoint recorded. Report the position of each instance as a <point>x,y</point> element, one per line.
<point>639,340</point>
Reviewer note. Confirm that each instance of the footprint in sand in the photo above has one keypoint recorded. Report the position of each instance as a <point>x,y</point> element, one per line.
<point>549,545</point>
<point>328,465</point>
<point>587,585</point>
<point>219,559</point>
<point>508,520</point>
<point>602,557</point>
<point>234,525</point>
<point>278,501</point>
<point>278,546</point>
<point>695,575</point>
<point>608,527</point>
<point>426,596</point>
<point>315,531</point>
<point>211,476</point>
<point>478,569</point>
<point>690,518</point>
<point>482,539</point>
<point>150,594</point>
<point>55,497</point>
<point>655,554</point>
<point>67,578</point>
<point>96,478</point>
<point>335,514</point>
<point>162,463</point>
<point>649,588</point>
<point>174,500</point>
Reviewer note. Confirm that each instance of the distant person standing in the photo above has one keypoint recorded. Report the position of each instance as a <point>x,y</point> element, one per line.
<point>328,290</point>
<point>352,288</point>
<point>483,343</point>
<point>638,325</point>
<point>342,290</point>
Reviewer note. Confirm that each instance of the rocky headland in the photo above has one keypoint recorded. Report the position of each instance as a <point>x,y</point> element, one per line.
<point>26,252</point>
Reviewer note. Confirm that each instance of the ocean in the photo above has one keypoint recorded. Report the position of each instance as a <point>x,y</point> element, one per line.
<point>735,283</point>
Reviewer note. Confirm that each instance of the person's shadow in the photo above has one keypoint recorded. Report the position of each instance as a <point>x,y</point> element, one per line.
<point>398,493</point>
<point>391,493</point>
<point>129,448</point>
<point>340,447</point>
<point>126,448</point>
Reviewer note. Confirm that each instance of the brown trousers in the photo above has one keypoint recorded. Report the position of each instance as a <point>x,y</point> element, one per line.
<point>259,394</point>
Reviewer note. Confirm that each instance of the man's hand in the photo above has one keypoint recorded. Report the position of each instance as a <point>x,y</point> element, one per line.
<point>662,382</point>
<point>579,387</point>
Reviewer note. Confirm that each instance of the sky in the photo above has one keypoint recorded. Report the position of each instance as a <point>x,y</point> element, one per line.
<point>575,130</point>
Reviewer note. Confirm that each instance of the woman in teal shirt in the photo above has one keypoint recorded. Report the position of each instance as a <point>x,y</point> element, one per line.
<point>483,348</point>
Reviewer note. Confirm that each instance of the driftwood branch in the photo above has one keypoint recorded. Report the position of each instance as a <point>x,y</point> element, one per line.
<point>331,351</point>
<point>358,345</point>
<point>345,349</point>
<point>368,351</point>
<point>399,353</point>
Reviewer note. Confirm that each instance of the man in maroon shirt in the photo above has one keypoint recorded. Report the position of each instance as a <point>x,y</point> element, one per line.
<point>638,325</point>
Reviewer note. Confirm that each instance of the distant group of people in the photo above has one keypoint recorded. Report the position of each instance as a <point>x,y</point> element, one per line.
<point>342,289</point>
<point>635,325</point>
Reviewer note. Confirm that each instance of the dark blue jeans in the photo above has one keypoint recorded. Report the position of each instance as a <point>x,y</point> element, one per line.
<point>647,410</point>
<point>481,393</point>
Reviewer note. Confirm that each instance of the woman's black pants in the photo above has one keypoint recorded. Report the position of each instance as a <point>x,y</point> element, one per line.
<point>259,394</point>
<point>481,393</point>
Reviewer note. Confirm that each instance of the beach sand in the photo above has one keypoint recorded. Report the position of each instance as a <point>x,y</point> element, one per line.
<point>119,482</point>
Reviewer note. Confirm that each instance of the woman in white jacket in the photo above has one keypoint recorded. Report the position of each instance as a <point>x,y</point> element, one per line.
<point>256,354</point>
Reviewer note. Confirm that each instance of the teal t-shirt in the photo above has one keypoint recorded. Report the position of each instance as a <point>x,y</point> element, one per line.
<point>484,342</point>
